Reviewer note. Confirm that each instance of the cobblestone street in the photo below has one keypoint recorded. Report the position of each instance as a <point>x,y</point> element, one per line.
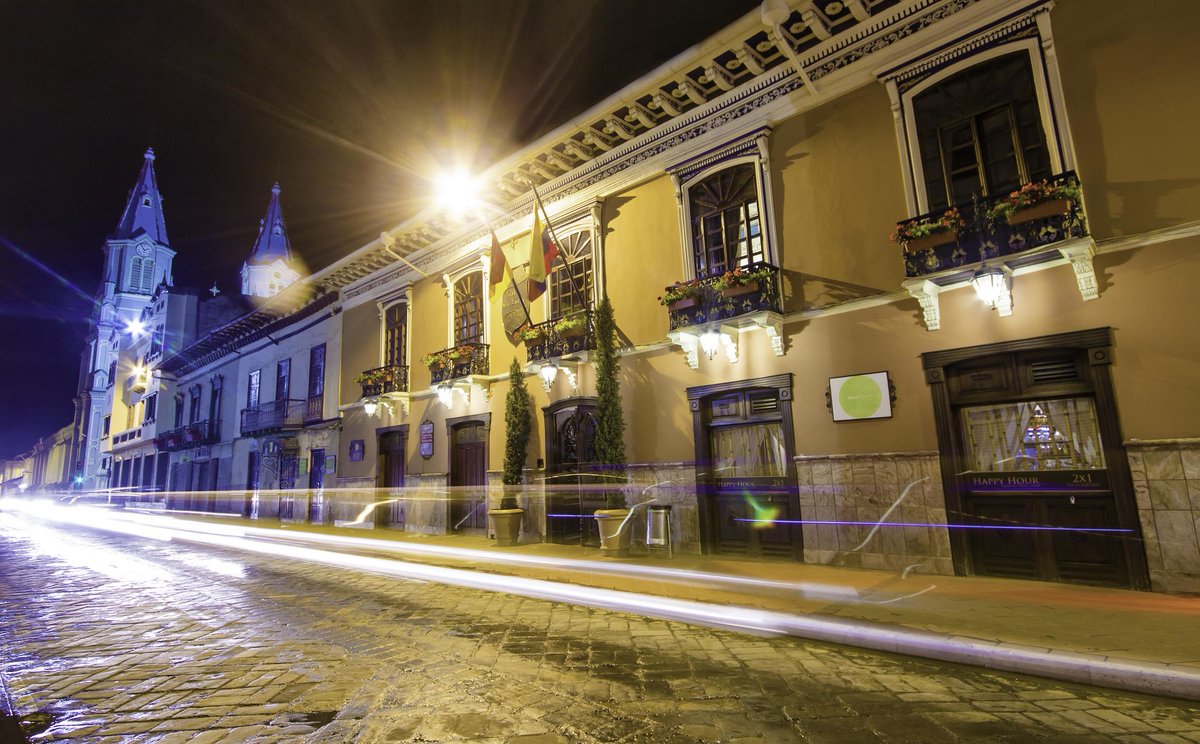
<point>113,638</point>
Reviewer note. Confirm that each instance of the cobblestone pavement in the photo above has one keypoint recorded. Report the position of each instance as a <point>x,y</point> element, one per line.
<point>117,639</point>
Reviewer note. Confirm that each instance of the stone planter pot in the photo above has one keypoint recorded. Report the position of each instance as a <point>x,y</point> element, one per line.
<point>740,289</point>
<point>506,523</point>
<point>1049,208</point>
<point>932,240</point>
<point>616,532</point>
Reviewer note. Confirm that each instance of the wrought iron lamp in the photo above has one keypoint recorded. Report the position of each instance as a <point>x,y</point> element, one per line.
<point>993,284</point>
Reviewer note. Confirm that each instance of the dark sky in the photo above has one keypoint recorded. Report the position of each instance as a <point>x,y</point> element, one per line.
<point>350,105</point>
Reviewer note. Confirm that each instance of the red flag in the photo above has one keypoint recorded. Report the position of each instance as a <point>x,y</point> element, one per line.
<point>498,268</point>
<point>542,252</point>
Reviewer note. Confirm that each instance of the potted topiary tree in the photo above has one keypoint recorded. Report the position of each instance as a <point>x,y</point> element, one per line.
<point>616,533</point>
<point>506,520</point>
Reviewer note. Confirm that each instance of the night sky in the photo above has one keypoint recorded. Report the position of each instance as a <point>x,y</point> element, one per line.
<point>351,106</point>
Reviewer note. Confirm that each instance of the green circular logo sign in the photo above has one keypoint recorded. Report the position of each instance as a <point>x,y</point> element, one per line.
<point>860,397</point>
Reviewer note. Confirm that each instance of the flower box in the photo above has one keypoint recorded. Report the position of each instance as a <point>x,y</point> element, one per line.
<point>932,240</point>
<point>685,303</point>
<point>1048,208</point>
<point>740,289</point>
<point>574,332</point>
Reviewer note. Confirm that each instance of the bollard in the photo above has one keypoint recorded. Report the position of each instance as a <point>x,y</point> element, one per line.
<point>658,529</point>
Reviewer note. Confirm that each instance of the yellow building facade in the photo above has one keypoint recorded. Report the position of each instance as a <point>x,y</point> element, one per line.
<point>841,397</point>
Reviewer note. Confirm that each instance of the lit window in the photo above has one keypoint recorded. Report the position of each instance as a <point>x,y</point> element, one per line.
<point>468,309</point>
<point>725,221</point>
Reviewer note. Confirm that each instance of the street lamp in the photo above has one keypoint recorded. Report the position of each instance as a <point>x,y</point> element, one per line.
<point>457,192</point>
<point>135,327</point>
<point>370,406</point>
<point>994,286</point>
<point>710,342</point>
<point>445,395</point>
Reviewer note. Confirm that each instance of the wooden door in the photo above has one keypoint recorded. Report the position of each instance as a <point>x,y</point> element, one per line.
<point>390,479</point>
<point>574,492</point>
<point>468,478</point>
<point>1032,462</point>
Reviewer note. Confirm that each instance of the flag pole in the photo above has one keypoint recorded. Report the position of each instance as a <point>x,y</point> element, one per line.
<point>579,295</point>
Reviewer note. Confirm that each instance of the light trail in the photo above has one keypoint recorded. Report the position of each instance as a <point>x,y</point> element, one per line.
<point>675,575</point>
<point>1045,528</point>
<point>1042,662</point>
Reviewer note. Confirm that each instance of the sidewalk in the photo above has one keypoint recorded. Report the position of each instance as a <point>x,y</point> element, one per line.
<point>1136,641</point>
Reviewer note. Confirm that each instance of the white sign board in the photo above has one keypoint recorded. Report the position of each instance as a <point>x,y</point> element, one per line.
<point>857,397</point>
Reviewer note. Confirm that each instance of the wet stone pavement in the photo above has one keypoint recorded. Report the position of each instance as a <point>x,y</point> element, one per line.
<point>117,639</point>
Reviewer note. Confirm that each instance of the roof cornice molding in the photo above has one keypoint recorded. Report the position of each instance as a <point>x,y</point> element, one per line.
<point>886,41</point>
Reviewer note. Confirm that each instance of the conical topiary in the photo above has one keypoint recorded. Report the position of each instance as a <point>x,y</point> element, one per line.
<point>610,421</point>
<point>517,429</point>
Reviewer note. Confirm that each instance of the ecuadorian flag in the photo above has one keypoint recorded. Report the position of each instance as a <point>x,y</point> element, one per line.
<point>542,252</point>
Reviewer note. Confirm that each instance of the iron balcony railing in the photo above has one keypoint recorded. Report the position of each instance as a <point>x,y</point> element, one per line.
<point>314,409</point>
<point>273,415</point>
<point>707,303</point>
<point>188,436</point>
<point>544,341</point>
<point>473,359</point>
<point>984,236</point>
<point>391,378</point>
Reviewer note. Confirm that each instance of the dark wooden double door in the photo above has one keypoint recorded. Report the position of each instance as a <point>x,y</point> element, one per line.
<point>468,478</point>
<point>744,475</point>
<point>574,483</point>
<point>1032,462</point>
<point>388,497</point>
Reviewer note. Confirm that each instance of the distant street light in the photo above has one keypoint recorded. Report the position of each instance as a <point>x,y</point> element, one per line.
<point>135,328</point>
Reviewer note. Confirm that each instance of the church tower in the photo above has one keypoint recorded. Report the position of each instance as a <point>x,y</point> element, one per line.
<point>271,266</point>
<point>137,258</point>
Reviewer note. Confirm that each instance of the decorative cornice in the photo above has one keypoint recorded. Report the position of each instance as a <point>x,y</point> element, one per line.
<point>775,82</point>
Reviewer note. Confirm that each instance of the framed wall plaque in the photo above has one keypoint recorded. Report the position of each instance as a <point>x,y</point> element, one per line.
<point>425,433</point>
<point>356,450</point>
<point>857,397</point>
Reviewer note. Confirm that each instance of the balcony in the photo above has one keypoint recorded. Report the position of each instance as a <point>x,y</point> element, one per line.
<point>1029,235</point>
<point>458,362</point>
<point>274,415</point>
<point>559,338</point>
<point>392,378</point>
<point>191,435</point>
<point>314,409</point>
<point>706,301</point>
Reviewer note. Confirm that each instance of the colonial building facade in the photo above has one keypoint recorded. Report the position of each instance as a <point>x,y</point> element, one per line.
<point>896,284</point>
<point>804,378</point>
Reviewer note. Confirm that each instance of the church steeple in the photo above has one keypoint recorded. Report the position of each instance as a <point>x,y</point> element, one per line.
<point>143,212</point>
<point>271,265</point>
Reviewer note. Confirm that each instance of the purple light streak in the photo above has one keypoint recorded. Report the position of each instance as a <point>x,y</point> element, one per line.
<point>929,524</point>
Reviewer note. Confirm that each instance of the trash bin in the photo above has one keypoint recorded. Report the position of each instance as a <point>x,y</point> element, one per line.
<point>658,528</point>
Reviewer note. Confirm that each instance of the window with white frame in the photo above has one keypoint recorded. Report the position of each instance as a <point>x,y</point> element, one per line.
<point>725,216</point>
<point>983,116</point>
<point>571,280</point>
<point>468,309</point>
<point>395,335</point>
<point>979,132</point>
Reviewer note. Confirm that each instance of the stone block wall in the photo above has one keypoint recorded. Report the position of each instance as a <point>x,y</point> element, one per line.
<point>841,489</point>
<point>1166,484</point>
<point>671,483</point>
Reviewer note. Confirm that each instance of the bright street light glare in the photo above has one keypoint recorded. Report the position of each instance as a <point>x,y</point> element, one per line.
<point>135,328</point>
<point>457,191</point>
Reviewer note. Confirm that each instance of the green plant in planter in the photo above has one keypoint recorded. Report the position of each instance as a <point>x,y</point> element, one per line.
<point>681,291</point>
<point>1032,194</point>
<point>517,430</point>
<point>610,420</point>
<point>949,221</point>
<point>530,333</point>
<point>371,377</point>
<point>572,322</point>
<point>740,276</point>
